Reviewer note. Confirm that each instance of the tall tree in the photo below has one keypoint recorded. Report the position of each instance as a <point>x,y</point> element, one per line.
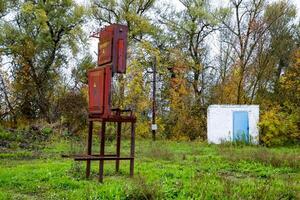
<point>134,14</point>
<point>38,41</point>
<point>5,6</point>
<point>248,25</point>
<point>281,32</point>
<point>191,27</point>
<point>273,54</point>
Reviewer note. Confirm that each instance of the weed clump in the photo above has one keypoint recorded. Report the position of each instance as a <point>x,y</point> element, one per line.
<point>76,170</point>
<point>140,189</point>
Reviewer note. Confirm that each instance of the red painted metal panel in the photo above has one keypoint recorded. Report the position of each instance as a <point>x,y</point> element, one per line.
<point>96,90</point>
<point>105,46</point>
<point>107,90</point>
<point>100,90</point>
<point>121,57</point>
<point>113,47</point>
<point>121,33</point>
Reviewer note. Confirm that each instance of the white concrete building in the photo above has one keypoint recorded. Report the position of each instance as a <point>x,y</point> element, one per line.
<point>232,123</point>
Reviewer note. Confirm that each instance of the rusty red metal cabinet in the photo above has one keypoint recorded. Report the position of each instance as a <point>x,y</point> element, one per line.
<point>112,47</point>
<point>99,90</point>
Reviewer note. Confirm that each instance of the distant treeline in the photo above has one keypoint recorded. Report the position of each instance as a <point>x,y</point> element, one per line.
<point>246,52</point>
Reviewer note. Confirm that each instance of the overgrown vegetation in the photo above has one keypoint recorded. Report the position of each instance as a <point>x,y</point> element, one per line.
<point>44,59</point>
<point>33,137</point>
<point>195,170</point>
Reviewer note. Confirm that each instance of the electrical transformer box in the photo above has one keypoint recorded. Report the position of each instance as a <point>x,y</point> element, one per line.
<point>99,80</point>
<point>112,47</point>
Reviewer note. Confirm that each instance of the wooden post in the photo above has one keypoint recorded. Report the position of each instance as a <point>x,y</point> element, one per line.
<point>132,149</point>
<point>154,100</point>
<point>89,149</point>
<point>102,146</point>
<point>118,145</point>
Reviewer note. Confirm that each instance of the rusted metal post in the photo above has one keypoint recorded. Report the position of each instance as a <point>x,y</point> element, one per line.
<point>118,145</point>
<point>132,138</point>
<point>89,149</point>
<point>102,146</point>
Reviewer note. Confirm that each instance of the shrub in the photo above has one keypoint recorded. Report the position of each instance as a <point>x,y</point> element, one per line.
<point>73,111</point>
<point>185,125</point>
<point>76,170</point>
<point>4,135</point>
<point>47,131</point>
<point>32,137</point>
<point>279,127</point>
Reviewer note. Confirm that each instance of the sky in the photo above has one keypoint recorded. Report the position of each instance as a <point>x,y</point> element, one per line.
<point>224,2</point>
<point>217,2</point>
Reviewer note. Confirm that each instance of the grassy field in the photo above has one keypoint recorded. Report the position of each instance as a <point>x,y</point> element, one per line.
<point>163,170</point>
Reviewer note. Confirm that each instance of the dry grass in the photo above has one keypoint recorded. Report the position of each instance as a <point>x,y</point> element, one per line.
<point>159,153</point>
<point>261,155</point>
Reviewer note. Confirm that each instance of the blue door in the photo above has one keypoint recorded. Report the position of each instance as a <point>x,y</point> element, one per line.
<point>240,126</point>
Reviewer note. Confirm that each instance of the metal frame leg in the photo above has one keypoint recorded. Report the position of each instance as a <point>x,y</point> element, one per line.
<point>89,149</point>
<point>118,145</point>
<point>102,145</point>
<point>132,148</point>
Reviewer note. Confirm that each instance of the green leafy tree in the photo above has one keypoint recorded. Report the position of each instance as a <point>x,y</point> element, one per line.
<point>5,6</point>
<point>282,42</point>
<point>280,123</point>
<point>133,90</point>
<point>188,31</point>
<point>38,41</point>
<point>134,14</point>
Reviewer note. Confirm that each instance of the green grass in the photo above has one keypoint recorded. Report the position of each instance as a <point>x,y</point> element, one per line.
<point>163,170</point>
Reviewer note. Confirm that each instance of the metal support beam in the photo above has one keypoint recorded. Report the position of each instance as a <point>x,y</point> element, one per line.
<point>89,149</point>
<point>118,145</point>
<point>102,146</point>
<point>132,138</point>
<point>154,100</point>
